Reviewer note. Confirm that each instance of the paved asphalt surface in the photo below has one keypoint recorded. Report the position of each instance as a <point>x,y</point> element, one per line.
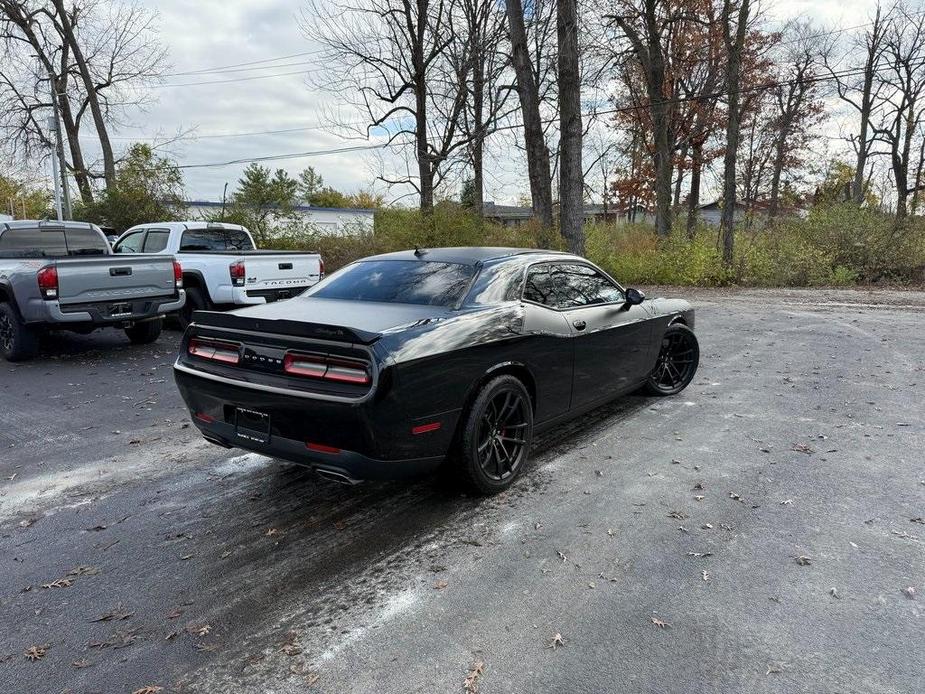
<point>760,532</point>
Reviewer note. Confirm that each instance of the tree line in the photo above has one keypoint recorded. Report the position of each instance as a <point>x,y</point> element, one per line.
<point>654,94</point>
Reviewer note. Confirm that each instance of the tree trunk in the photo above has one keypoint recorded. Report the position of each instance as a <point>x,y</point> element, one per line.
<point>571,173</point>
<point>72,131</point>
<point>733,122</point>
<point>680,178</point>
<point>425,170</point>
<point>478,142</point>
<point>779,154</point>
<point>693,197</point>
<point>535,142</point>
<point>662,156</point>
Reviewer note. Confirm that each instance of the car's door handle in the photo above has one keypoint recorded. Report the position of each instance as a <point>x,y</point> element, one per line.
<point>120,271</point>
<point>579,325</point>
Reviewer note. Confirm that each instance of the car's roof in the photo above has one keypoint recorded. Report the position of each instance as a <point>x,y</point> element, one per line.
<point>466,255</point>
<point>46,223</point>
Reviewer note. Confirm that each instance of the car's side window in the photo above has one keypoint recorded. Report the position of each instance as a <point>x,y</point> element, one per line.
<point>131,243</point>
<point>157,240</point>
<point>582,285</point>
<point>569,285</point>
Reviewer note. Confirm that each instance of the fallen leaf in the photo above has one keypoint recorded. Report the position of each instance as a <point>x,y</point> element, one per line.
<point>917,520</point>
<point>272,531</point>
<point>772,668</point>
<point>735,496</point>
<point>698,498</point>
<point>803,560</point>
<point>700,554</point>
<point>150,689</point>
<point>199,629</point>
<point>441,584</point>
<point>802,448</point>
<point>679,515</point>
<point>705,575</point>
<point>471,683</point>
<point>833,591</point>
<point>786,502</point>
<point>59,583</point>
<point>83,571</point>
<point>34,653</point>
<point>174,613</point>
<point>698,486</point>
<point>557,641</point>
<point>909,592</point>
<point>706,526</point>
<point>660,624</point>
<point>82,663</point>
<point>561,556</point>
<point>291,648</point>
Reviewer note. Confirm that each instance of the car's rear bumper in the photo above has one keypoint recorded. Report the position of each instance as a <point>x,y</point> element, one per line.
<point>367,439</point>
<point>349,466</point>
<point>53,312</point>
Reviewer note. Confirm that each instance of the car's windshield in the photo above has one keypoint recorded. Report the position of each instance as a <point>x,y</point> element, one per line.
<point>398,281</point>
<point>39,242</point>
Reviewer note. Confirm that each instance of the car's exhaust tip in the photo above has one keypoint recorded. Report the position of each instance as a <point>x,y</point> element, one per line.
<point>337,476</point>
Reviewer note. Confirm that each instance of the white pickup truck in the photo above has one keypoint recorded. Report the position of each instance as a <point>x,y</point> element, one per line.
<point>221,267</point>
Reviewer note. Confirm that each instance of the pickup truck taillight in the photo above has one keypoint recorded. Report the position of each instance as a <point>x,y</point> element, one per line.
<point>48,282</point>
<point>226,352</point>
<point>236,269</point>
<point>320,269</point>
<point>177,274</point>
<point>327,368</point>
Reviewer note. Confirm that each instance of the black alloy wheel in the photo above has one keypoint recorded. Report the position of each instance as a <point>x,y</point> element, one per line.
<point>17,341</point>
<point>496,436</point>
<point>677,361</point>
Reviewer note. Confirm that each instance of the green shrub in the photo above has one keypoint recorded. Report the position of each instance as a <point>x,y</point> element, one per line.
<point>836,245</point>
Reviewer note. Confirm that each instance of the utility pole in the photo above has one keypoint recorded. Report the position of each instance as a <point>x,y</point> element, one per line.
<point>54,171</point>
<point>59,151</point>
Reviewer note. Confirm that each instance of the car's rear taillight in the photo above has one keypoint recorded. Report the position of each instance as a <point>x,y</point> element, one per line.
<point>320,268</point>
<point>48,282</point>
<point>177,274</point>
<point>225,352</point>
<point>236,270</point>
<point>327,368</point>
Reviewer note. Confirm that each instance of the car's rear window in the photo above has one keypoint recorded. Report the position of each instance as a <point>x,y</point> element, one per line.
<point>215,240</point>
<point>398,282</point>
<point>52,242</point>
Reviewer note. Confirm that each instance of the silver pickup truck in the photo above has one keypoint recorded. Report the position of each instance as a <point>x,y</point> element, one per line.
<point>64,276</point>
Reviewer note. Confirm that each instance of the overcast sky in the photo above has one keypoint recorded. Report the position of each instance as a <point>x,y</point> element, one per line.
<point>213,33</point>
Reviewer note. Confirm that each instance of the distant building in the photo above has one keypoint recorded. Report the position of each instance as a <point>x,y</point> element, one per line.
<point>324,219</point>
<point>515,215</point>
<point>712,212</point>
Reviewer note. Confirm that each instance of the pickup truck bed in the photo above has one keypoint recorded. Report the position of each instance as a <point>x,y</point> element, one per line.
<point>64,276</point>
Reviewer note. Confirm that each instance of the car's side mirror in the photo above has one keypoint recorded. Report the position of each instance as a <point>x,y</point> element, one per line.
<point>634,297</point>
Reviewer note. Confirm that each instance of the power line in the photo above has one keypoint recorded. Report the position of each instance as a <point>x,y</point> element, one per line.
<point>222,68</point>
<point>237,79</point>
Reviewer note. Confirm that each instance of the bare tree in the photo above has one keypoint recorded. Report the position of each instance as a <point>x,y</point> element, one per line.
<point>646,27</point>
<point>528,90</point>
<point>902,94</point>
<point>860,90</point>
<point>571,171</point>
<point>94,57</point>
<point>797,108</point>
<point>735,29</point>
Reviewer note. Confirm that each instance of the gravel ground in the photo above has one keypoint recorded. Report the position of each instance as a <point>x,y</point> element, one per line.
<point>761,532</point>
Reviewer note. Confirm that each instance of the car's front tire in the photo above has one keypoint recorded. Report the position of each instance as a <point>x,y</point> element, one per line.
<point>145,333</point>
<point>18,341</point>
<point>495,436</point>
<point>677,361</point>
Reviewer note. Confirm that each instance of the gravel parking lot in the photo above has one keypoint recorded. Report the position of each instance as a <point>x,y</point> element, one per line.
<point>761,532</point>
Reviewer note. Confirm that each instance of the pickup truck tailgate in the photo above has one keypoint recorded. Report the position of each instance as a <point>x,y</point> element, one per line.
<point>114,278</point>
<point>280,271</point>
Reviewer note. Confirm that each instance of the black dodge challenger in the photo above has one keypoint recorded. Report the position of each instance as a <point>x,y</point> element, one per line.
<point>401,362</point>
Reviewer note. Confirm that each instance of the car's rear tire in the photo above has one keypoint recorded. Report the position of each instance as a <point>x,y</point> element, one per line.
<point>145,333</point>
<point>677,361</point>
<point>18,341</point>
<point>195,301</point>
<point>495,437</point>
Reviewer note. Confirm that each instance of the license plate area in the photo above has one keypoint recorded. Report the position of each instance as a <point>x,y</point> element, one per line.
<point>119,310</point>
<point>252,425</point>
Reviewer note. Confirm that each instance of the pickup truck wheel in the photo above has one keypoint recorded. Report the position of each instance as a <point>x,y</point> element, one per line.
<point>145,333</point>
<point>17,340</point>
<point>195,301</point>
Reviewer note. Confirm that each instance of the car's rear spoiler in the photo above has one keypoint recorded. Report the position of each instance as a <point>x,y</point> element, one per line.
<point>230,321</point>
